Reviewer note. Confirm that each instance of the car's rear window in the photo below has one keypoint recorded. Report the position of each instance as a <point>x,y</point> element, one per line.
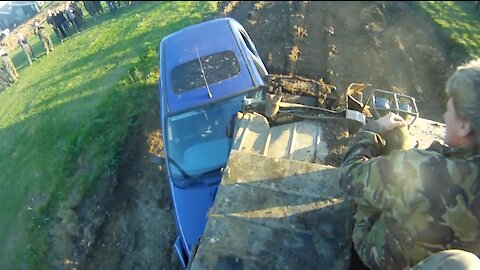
<point>217,67</point>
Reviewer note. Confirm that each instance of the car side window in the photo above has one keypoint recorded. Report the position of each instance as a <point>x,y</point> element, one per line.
<point>260,69</point>
<point>248,42</point>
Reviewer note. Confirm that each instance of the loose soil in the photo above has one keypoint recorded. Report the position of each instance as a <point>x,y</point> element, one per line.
<point>386,45</point>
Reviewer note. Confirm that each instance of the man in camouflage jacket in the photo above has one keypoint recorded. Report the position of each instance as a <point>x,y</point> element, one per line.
<point>415,203</point>
<point>44,37</point>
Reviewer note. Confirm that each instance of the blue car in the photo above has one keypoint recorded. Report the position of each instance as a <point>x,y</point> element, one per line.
<point>206,71</point>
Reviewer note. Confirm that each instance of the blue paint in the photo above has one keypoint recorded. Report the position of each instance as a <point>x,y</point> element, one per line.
<point>195,114</point>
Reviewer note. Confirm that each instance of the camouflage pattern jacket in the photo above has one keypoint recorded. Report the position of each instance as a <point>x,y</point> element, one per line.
<point>411,204</point>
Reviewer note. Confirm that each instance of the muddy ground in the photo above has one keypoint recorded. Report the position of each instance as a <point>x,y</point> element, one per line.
<point>388,45</point>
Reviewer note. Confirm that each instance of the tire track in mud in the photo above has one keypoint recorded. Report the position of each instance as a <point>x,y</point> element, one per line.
<point>314,41</point>
<point>355,58</point>
<point>381,44</point>
<point>139,230</point>
<point>311,36</point>
<point>268,24</point>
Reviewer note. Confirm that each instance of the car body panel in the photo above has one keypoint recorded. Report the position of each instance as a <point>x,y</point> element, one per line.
<point>192,198</point>
<point>206,39</point>
<point>191,206</point>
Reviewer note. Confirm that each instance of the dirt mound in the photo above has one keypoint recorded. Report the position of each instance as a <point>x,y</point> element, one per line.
<point>295,86</point>
<point>376,43</point>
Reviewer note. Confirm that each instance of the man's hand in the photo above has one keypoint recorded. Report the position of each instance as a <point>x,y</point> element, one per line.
<point>391,121</point>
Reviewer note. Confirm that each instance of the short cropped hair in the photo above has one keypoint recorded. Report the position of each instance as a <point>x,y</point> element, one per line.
<point>463,87</point>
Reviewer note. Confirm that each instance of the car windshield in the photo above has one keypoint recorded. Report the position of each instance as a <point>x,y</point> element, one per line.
<point>189,76</point>
<point>197,142</point>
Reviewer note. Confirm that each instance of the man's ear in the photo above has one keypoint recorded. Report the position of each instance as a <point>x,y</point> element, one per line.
<point>465,128</point>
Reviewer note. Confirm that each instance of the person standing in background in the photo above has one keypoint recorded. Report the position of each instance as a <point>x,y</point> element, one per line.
<point>43,36</point>
<point>27,49</point>
<point>8,65</point>
<point>53,22</point>
<point>4,81</point>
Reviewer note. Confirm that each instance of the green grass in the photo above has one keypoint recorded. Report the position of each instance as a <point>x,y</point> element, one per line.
<point>459,22</point>
<point>63,123</point>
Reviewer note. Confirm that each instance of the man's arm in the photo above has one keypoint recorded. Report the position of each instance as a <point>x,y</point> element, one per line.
<point>366,176</point>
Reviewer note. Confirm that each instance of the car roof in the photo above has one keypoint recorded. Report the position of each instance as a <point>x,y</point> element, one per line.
<point>208,38</point>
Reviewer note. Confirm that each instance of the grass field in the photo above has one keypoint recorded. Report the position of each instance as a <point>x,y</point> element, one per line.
<point>459,21</point>
<point>63,123</point>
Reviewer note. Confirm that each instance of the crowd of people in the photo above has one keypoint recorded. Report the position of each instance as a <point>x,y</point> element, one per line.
<point>66,20</point>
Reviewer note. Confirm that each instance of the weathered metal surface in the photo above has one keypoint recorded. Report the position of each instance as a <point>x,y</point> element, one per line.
<point>301,140</point>
<point>272,210</point>
<point>277,206</point>
<point>279,213</point>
